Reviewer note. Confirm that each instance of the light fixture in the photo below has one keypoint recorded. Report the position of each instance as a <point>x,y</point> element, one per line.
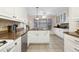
<point>37,16</point>
<point>44,15</point>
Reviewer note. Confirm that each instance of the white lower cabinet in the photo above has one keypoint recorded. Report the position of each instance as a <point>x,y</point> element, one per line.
<point>3,50</point>
<point>12,46</point>
<point>38,37</point>
<point>71,43</point>
<point>60,32</point>
<point>17,45</point>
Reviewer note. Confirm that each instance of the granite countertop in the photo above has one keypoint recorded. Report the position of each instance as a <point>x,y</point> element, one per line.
<point>72,34</point>
<point>60,27</point>
<point>12,36</point>
<point>38,30</point>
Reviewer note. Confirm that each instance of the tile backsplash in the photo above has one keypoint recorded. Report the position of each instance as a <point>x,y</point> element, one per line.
<point>5,23</point>
<point>3,28</point>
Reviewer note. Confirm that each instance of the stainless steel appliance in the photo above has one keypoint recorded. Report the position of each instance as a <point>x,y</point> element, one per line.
<point>12,28</point>
<point>24,42</point>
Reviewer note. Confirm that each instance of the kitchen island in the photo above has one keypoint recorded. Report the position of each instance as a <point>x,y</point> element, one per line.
<point>38,37</point>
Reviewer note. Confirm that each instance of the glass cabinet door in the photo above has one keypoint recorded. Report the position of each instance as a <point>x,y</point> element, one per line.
<point>42,24</point>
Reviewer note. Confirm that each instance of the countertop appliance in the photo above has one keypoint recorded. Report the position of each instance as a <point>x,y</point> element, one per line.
<point>12,28</point>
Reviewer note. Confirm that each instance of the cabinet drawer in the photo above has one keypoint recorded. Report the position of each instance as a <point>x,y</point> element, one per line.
<point>4,50</point>
<point>71,43</point>
<point>67,45</point>
<point>75,49</point>
<point>73,39</point>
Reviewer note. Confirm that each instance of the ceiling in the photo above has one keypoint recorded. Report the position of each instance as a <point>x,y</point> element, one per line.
<point>44,10</point>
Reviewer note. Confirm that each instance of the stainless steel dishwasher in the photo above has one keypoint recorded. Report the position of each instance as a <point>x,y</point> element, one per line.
<point>24,42</point>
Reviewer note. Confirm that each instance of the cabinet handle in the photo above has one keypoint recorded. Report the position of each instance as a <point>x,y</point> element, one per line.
<point>76,41</point>
<point>16,43</point>
<point>76,49</point>
<point>14,16</point>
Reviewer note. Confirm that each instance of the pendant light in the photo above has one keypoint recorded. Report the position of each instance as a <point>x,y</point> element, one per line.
<point>37,16</point>
<point>44,15</point>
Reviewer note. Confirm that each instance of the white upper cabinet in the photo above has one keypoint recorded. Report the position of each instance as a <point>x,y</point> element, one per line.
<point>17,14</point>
<point>21,14</point>
<point>14,13</point>
<point>73,18</point>
<point>3,13</point>
<point>24,13</point>
<point>9,11</point>
<point>73,13</point>
<point>62,15</point>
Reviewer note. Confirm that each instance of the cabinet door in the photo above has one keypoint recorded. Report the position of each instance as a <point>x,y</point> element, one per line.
<point>17,47</point>
<point>43,36</point>
<point>67,44</point>
<point>18,44</point>
<point>71,44</point>
<point>32,37</point>
<point>9,11</point>
<point>19,14</point>
<point>24,15</point>
<point>16,13</point>
<point>3,50</point>
<point>14,49</point>
<point>73,12</point>
<point>38,37</point>
<point>56,30</point>
<point>3,13</point>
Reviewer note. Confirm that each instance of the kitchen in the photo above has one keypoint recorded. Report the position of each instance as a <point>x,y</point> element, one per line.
<point>39,29</point>
<point>13,21</point>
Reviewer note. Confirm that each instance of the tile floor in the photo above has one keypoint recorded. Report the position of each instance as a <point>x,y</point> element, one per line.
<point>56,45</point>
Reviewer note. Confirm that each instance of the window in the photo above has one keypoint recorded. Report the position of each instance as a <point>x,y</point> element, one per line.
<point>42,24</point>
